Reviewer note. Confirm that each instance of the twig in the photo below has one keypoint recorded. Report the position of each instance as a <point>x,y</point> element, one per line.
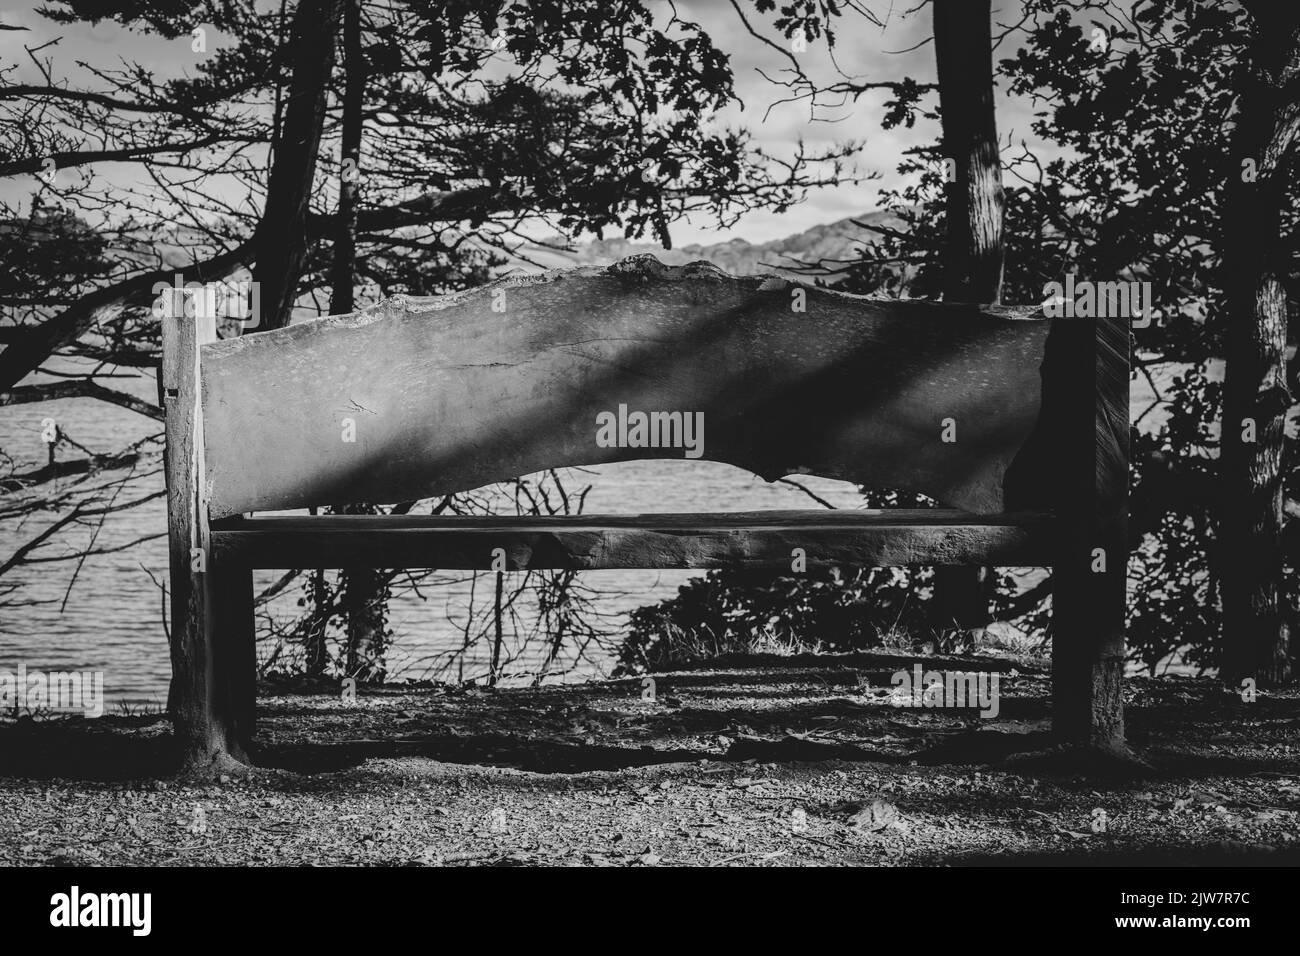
<point>740,856</point>
<point>466,856</point>
<point>825,843</point>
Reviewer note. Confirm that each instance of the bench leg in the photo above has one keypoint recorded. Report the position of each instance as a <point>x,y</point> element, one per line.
<point>235,651</point>
<point>203,690</point>
<point>1088,608</point>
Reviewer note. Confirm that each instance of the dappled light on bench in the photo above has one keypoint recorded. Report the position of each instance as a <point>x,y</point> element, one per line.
<point>420,399</point>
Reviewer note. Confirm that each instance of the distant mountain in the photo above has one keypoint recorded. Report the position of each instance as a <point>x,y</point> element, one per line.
<point>828,242</point>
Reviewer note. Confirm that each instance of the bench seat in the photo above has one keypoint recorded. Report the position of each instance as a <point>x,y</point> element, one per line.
<point>767,539</point>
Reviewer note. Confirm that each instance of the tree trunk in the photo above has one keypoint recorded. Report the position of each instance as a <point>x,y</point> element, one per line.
<point>282,233</point>
<point>1256,639</point>
<point>365,602</point>
<point>963,45</point>
<point>364,599</point>
<point>316,655</point>
<point>497,631</point>
<point>973,255</point>
<point>343,270</point>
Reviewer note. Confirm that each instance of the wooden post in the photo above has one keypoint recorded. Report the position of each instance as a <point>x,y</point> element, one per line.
<point>1089,588</point>
<point>203,714</point>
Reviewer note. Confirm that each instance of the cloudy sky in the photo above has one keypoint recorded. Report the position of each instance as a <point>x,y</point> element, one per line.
<point>900,48</point>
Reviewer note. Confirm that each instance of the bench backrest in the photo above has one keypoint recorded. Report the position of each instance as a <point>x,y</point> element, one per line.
<point>984,408</point>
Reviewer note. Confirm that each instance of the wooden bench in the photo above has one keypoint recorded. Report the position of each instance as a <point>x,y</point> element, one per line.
<point>1016,424</point>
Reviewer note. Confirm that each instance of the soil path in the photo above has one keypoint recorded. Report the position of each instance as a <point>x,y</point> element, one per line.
<point>760,761</point>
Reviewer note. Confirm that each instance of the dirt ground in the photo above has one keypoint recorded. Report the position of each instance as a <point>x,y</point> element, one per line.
<point>748,762</point>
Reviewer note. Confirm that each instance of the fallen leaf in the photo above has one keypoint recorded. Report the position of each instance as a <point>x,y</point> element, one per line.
<point>875,816</point>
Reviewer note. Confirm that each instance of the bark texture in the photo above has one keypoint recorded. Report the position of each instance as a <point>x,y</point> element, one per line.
<point>1256,638</point>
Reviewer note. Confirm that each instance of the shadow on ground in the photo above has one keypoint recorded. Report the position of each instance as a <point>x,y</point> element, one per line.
<point>764,761</point>
<point>763,709</point>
